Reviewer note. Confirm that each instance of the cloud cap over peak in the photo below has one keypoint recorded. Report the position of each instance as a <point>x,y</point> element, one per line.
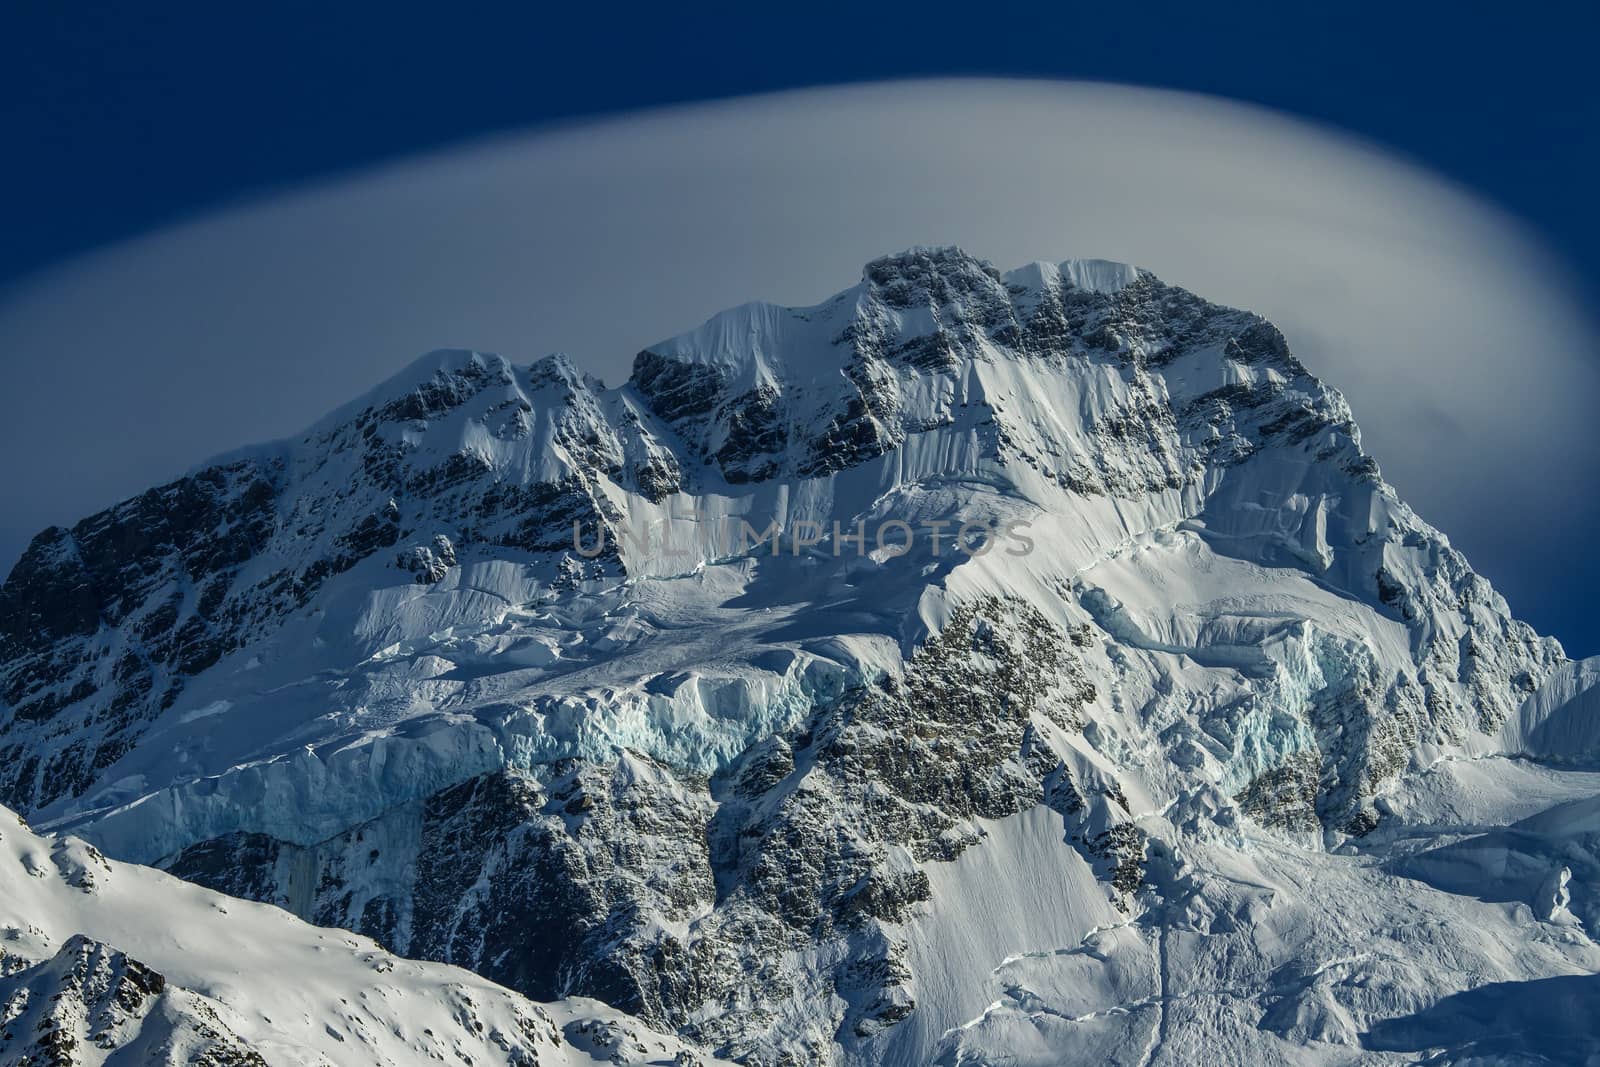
<point>1468,365</point>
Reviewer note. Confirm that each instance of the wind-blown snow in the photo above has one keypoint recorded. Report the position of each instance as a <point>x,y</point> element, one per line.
<point>1562,720</point>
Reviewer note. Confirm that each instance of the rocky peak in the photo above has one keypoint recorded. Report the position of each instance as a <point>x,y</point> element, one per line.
<point>932,277</point>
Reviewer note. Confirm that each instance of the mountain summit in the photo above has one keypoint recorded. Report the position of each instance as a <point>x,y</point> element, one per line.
<point>971,667</point>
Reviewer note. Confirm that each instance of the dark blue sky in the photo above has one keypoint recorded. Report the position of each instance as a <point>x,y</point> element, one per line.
<point>119,121</point>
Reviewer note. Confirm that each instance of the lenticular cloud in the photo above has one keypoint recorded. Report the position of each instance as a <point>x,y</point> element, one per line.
<point>1443,323</point>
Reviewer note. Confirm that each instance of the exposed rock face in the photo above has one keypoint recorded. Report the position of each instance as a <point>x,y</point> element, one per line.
<point>90,1001</point>
<point>375,675</point>
<point>102,625</point>
<point>571,879</point>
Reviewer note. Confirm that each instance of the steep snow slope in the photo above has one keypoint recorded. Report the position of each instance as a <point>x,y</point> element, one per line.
<point>744,789</point>
<point>103,962</point>
<point>1562,720</point>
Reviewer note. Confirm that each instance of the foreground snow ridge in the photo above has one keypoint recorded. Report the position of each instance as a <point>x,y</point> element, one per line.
<point>106,963</point>
<point>1237,759</point>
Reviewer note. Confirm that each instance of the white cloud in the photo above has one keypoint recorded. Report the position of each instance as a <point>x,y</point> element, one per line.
<point>1467,362</point>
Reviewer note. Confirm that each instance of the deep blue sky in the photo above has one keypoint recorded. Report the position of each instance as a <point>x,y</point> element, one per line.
<point>119,121</point>
<point>123,119</point>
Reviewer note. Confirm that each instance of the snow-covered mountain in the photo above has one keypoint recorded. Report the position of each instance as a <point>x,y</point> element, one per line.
<point>631,694</point>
